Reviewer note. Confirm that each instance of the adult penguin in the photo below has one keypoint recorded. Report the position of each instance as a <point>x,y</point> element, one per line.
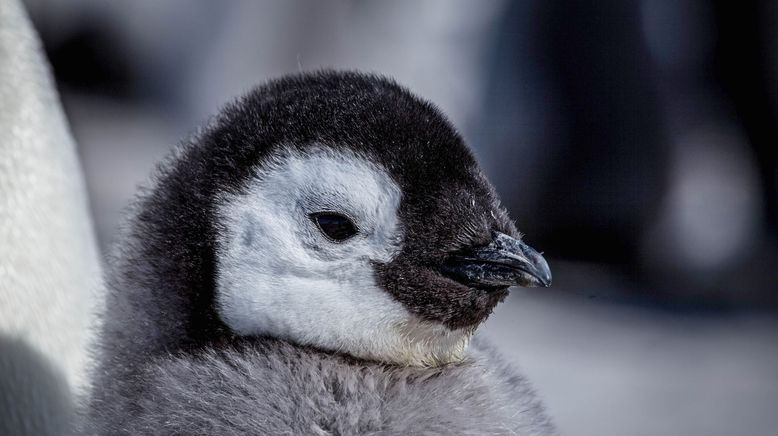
<point>315,262</point>
<point>49,261</point>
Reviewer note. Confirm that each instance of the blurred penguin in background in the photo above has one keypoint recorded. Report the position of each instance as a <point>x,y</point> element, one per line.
<point>49,267</point>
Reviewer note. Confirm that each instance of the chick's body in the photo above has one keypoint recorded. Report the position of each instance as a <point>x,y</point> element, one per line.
<point>315,262</point>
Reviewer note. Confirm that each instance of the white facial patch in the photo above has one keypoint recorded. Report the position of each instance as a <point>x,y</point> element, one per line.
<point>279,276</point>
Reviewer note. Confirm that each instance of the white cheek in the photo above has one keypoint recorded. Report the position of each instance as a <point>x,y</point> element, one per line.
<point>278,276</point>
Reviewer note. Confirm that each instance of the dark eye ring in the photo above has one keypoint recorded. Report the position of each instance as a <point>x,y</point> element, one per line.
<point>335,226</point>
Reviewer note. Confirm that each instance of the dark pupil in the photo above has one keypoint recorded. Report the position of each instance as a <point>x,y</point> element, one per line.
<point>337,227</point>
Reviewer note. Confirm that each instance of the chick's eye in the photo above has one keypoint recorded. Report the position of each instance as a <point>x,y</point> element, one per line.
<point>335,226</point>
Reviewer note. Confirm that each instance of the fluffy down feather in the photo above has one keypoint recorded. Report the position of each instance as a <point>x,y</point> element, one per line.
<point>273,387</point>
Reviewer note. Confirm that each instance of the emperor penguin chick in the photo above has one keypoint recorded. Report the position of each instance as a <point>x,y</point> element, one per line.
<point>315,262</point>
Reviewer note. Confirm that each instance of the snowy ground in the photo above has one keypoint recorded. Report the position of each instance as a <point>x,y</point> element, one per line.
<point>616,369</point>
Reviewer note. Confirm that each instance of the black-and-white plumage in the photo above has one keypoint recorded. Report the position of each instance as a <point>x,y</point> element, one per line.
<point>315,261</point>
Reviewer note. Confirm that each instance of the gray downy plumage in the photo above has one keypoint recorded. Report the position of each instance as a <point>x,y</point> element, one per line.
<point>315,261</point>
<point>278,388</point>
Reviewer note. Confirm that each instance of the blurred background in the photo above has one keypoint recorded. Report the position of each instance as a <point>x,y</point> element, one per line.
<point>634,142</point>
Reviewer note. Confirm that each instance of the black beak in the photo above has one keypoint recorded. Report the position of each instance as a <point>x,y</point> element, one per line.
<point>504,262</point>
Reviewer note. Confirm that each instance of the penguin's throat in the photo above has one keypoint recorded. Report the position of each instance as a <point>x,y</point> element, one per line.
<point>427,344</point>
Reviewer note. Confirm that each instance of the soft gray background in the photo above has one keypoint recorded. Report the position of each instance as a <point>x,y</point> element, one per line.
<point>630,139</point>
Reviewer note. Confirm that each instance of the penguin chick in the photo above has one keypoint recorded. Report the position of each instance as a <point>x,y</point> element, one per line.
<point>315,261</point>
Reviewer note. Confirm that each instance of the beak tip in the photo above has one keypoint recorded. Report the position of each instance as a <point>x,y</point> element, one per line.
<point>546,278</point>
<point>541,270</point>
<point>542,280</point>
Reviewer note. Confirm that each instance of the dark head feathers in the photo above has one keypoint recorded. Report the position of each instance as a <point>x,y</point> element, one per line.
<point>164,281</point>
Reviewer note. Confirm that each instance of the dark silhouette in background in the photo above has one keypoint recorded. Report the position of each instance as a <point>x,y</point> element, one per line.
<point>744,64</point>
<point>601,175</point>
<point>582,116</point>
